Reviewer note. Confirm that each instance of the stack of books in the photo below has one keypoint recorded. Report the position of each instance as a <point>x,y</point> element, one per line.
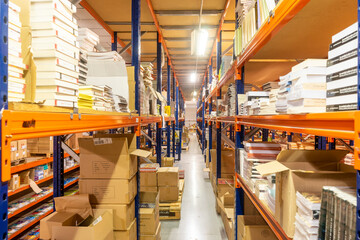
<point>269,86</point>
<point>281,102</point>
<point>147,72</point>
<point>230,98</point>
<point>338,213</point>
<point>251,106</point>
<point>109,69</point>
<point>342,79</point>
<point>91,96</point>
<point>308,89</point>
<point>56,52</point>
<point>87,40</point>
<point>307,216</point>
<point>241,102</point>
<point>254,154</point>
<point>16,67</point>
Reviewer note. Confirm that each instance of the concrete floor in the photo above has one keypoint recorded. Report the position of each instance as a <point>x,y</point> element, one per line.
<point>199,220</point>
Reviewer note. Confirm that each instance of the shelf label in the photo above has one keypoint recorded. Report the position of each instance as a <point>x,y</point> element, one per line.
<point>102,141</point>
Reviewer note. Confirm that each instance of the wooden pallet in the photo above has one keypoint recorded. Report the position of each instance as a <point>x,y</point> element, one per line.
<point>185,148</point>
<point>47,155</point>
<point>172,211</point>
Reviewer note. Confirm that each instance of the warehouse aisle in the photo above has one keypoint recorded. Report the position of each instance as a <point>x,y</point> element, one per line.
<point>199,220</point>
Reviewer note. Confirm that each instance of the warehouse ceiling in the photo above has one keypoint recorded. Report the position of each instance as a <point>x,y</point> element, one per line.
<point>177,19</point>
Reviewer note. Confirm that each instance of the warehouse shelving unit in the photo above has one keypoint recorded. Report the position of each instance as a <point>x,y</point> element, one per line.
<point>23,121</point>
<point>270,54</point>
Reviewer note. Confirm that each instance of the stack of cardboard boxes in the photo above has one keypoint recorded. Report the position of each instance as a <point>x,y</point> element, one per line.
<point>150,226</point>
<point>19,150</point>
<point>37,146</point>
<point>108,174</point>
<point>168,184</point>
<point>148,177</point>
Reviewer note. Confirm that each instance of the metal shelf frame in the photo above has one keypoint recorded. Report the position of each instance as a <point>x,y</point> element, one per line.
<point>16,125</point>
<point>324,126</point>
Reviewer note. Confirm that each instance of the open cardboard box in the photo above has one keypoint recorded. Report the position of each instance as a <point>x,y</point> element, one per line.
<point>75,219</point>
<point>110,156</point>
<point>304,171</point>
<point>253,227</point>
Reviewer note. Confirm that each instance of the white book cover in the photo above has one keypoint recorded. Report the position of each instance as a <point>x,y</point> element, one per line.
<point>14,53</point>
<point>14,7</point>
<point>14,89</point>
<point>51,76</point>
<point>71,7</point>
<point>56,89</point>
<point>55,28</point>
<point>294,95</point>
<point>46,16</point>
<point>299,110</point>
<point>47,55</point>
<point>56,68</point>
<point>352,28</point>
<point>343,49</point>
<point>57,5</point>
<point>48,63</point>
<point>15,71</point>
<point>15,26</point>
<point>56,82</point>
<point>14,35</point>
<point>16,62</point>
<point>49,43</point>
<point>55,96</point>
<point>16,84</point>
<point>307,103</point>
<point>345,99</point>
<point>59,103</point>
<point>345,82</point>
<point>353,62</point>
<point>309,63</point>
<point>14,45</point>
<point>16,80</point>
<point>16,95</point>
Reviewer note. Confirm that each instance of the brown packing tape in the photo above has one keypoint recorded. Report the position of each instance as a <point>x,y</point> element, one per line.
<point>79,204</point>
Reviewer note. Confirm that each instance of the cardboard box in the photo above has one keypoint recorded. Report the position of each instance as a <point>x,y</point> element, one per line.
<point>148,179</point>
<point>118,191</point>
<point>148,189</point>
<point>124,214</point>
<point>106,158</point>
<point>227,162</point>
<point>73,141</point>
<point>22,144</point>
<point>13,146</point>
<point>253,227</point>
<point>167,162</point>
<point>57,219</point>
<point>98,227</point>
<point>129,234</point>
<point>40,145</point>
<point>149,212</point>
<point>304,171</point>
<point>25,176</point>
<point>168,176</point>
<point>14,182</point>
<point>157,236</point>
<point>228,222</point>
<point>168,194</point>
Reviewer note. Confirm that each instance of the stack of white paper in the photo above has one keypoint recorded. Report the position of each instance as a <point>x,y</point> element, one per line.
<point>87,40</point>
<point>251,106</point>
<point>56,52</point>
<point>307,93</point>
<point>96,97</point>
<point>16,87</point>
<point>108,68</point>
<point>281,102</point>
<point>230,99</point>
<point>342,79</point>
<point>146,71</point>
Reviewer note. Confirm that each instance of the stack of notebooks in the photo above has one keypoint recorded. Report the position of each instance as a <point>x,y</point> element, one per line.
<point>226,62</point>
<point>307,216</point>
<point>56,52</point>
<point>16,67</point>
<point>342,79</point>
<point>338,213</point>
<point>256,153</point>
<point>281,102</point>
<point>241,102</point>
<point>147,72</point>
<point>349,159</point>
<point>308,89</point>
<point>230,99</point>
<point>87,40</point>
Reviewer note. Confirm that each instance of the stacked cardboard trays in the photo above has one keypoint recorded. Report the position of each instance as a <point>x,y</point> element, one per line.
<point>108,174</point>
<point>168,184</point>
<point>56,52</point>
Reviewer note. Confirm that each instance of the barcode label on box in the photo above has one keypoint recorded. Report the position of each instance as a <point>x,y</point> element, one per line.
<point>102,141</point>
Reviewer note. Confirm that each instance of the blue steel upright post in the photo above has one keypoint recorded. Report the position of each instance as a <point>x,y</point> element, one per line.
<point>239,138</point>
<point>58,167</point>
<point>218,124</point>
<point>174,123</point>
<point>202,120</point>
<point>177,116</point>
<point>168,103</point>
<point>4,103</point>
<point>135,61</point>
<point>158,81</point>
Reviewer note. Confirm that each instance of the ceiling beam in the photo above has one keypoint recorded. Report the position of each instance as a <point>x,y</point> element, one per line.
<point>186,27</point>
<point>130,31</point>
<point>128,23</point>
<point>187,12</point>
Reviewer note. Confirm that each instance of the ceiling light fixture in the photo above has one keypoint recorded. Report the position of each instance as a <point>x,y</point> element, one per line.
<point>199,39</point>
<point>194,93</point>
<point>193,77</point>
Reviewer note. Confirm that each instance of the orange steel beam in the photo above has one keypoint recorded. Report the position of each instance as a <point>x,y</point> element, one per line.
<point>284,12</point>
<point>101,21</point>
<point>156,22</point>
